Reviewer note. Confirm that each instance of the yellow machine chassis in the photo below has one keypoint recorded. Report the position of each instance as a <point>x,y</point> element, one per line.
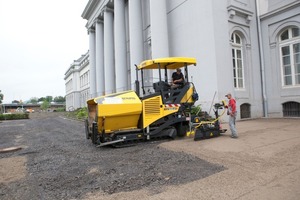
<point>125,113</point>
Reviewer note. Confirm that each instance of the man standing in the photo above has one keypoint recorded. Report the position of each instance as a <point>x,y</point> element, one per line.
<point>232,115</point>
<point>177,79</point>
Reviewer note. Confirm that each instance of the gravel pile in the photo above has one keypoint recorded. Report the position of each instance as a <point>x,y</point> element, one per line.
<point>62,164</point>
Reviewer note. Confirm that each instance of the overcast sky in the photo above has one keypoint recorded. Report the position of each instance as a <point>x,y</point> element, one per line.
<point>39,39</point>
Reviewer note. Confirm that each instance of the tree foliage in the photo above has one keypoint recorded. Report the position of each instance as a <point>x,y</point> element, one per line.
<point>45,105</point>
<point>34,100</point>
<point>49,98</point>
<point>1,97</point>
<point>59,99</point>
<point>196,110</point>
<point>41,99</point>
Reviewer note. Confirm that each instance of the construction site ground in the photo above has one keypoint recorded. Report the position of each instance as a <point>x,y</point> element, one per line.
<point>55,161</point>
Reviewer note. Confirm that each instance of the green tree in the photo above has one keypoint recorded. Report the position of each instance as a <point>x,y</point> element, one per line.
<point>41,99</point>
<point>49,98</point>
<point>45,105</point>
<point>15,101</point>
<point>33,100</point>
<point>59,99</point>
<point>1,97</point>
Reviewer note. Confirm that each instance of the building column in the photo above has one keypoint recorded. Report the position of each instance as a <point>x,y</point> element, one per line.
<point>92,62</point>
<point>120,46</point>
<point>159,29</point>
<point>100,78</point>
<point>135,37</point>
<point>109,69</point>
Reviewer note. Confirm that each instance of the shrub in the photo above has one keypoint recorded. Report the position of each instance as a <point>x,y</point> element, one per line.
<point>14,116</point>
<point>82,113</point>
<point>61,109</point>
<point>45,105</point>
<point>196,110</point>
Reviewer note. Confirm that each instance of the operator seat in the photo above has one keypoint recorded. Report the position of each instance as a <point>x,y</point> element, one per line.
<point>161,85</point>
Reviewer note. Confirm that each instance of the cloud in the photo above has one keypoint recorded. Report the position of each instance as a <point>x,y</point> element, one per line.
<point>39,40</point>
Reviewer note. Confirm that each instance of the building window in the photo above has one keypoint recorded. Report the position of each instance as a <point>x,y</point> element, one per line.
<point>245,110</point>
<point>290,56</point>
<point>69,85</point>
<point>291,109</point>
<point>237,61</point>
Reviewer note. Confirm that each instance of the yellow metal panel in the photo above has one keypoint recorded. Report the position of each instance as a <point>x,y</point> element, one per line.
<point>118,111</point>
<point>152,110</point>
<point>108,110</point>
<point>169,63</point>
<point>115,123</point>
<point>152,106</point>
<point>91,102</point>
<point>187,98</point>
<point>127,97</point>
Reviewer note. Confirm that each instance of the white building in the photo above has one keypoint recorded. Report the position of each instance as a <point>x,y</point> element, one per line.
<point>77,79</point>
<point>280,23</point>
<point>247,47</point>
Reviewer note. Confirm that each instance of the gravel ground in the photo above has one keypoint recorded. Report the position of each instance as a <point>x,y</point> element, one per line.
<point>57,162</point>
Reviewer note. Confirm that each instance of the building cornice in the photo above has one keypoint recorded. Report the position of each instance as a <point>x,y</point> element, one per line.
<point>234,10</point>
<point>89,8</point>
<point>280,10</point>
<point>77,65</point>
<point>93,11</point>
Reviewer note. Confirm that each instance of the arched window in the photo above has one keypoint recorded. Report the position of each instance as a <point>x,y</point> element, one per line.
<point>290,56</point>
<point>291,109</point>
<point>237,61</point>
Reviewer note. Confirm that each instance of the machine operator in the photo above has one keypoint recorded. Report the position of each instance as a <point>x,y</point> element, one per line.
<point>177,79</point>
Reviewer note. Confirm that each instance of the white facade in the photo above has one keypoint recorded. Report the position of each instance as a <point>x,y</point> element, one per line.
<point>280,23</point>
<point>77,79</point>
<point>237,48</point>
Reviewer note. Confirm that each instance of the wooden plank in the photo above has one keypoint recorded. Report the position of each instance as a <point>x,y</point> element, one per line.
<point>10,149</point>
